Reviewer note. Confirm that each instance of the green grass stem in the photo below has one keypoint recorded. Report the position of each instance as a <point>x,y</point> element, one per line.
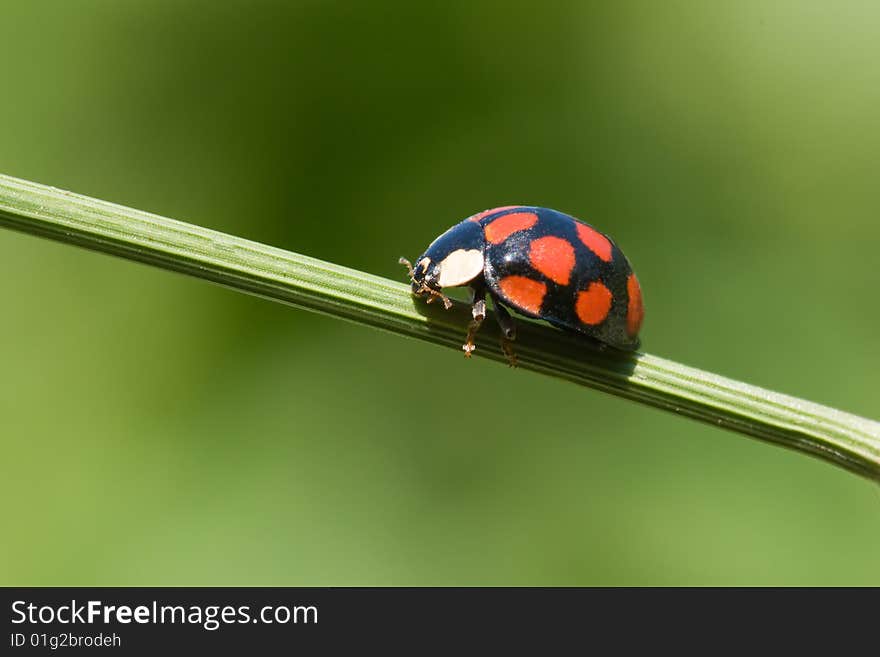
<point>835,436</point>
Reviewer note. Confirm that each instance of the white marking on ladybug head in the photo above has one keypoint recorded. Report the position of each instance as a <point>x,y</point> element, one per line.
<point>460,267</point>
<point>424,263</point>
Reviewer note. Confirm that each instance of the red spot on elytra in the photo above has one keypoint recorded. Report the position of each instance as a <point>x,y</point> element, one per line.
<point>635,311</point>
<point>524,293</point>
<point>485,213</point>
<point>553,257</point>
<point>506,225</point>
<point>594,241</point>
<point>593,304</point>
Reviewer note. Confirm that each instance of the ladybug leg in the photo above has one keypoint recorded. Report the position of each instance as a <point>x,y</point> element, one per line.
<point>434,294</point>
<point>508,331</point>
<point>478,310</point>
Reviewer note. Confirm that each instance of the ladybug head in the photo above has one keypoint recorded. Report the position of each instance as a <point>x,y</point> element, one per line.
<point>425,277</point>
<point>455,258</point>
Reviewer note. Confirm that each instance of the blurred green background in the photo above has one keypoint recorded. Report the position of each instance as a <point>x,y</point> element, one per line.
<point>162,430</point>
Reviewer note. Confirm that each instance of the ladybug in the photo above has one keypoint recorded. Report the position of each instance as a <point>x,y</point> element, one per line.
<point>541,263</point>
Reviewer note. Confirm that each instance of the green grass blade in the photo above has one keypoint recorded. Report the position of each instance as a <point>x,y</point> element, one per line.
<point>841,438</point>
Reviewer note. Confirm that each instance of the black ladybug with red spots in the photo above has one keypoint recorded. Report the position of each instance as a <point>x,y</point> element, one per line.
<point>541,263</point>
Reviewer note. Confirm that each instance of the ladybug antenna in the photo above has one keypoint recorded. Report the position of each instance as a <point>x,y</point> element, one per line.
<point>406,263</point>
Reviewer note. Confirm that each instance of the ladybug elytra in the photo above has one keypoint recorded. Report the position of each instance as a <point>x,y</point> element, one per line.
<point>543,264</point>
